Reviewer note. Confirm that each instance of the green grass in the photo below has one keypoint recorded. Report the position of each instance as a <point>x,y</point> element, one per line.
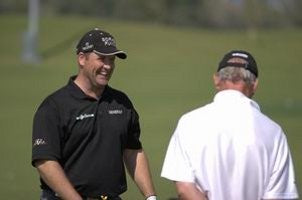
<point>168,73</point>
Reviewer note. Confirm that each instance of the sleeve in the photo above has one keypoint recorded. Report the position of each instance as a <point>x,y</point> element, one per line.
<point>177,165</point>
<point>134,131</point>
<point>282,180</point>
<point>46,133</point>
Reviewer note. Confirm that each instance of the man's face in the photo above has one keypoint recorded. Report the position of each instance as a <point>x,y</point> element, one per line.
<point>98,68</point>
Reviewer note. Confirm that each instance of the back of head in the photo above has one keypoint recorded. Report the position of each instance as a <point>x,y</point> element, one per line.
<point>235,74</point>
<point>237,70</point>
<point>238,65</point>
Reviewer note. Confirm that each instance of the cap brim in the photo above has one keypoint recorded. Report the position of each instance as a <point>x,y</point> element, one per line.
<point>118,53</point>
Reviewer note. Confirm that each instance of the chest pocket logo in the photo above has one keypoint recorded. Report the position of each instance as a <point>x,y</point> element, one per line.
<point>83,116</point>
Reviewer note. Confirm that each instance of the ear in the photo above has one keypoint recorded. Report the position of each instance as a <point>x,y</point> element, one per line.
<point>217,81</point>
<point>81,59</point>
<point>251,89</point>
<point>255,85</point>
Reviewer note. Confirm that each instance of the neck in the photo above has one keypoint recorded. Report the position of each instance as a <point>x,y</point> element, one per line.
<point>247,90</point>
<point>88,88</point>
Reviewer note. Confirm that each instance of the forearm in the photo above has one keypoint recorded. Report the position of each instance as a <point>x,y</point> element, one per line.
<point>53,175</point>
<point>188,191</point>
<point>142,175</point>
<point>138,168</point>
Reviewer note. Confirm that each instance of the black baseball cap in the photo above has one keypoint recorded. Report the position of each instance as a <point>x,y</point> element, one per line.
<point>100,42</point>
<point>250,64</point>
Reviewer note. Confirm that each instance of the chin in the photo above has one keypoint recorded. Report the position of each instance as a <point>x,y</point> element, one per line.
<point>102,83</point>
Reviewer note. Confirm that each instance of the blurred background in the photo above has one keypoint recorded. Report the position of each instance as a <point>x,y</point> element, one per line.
<point>173,49</point>
<point>199,13</point>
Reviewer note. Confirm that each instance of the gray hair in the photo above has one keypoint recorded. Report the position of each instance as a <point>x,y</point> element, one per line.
<point>235,74</point>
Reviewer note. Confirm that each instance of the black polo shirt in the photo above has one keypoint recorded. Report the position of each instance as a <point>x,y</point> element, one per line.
<point>87,137</point>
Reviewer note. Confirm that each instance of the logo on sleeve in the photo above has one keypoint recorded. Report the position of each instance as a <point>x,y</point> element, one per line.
<point>39,142</point>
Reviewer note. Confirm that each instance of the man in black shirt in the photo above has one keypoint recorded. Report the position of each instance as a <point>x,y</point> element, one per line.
<point>84,132</point>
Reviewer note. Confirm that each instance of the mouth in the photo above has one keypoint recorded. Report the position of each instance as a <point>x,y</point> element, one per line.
<point>103,74</point>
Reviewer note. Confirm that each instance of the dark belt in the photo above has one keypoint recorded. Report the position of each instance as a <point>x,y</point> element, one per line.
<point>50,195</point>
<point>102,197</point>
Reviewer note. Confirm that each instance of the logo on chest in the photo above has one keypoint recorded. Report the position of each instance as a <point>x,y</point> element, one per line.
<point>115,112</point>
<point>84,116</point>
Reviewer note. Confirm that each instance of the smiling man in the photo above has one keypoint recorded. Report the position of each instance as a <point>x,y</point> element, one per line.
<point>85,132</point>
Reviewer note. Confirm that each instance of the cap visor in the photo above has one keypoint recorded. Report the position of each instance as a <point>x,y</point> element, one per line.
<point>120,54</point>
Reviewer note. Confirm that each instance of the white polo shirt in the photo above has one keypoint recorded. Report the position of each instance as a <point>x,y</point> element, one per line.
<point>231,150</point>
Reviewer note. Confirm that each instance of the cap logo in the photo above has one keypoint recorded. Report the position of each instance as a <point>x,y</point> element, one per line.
<point>108,41</point>
<point>87,46</point>
<point>240,55</point>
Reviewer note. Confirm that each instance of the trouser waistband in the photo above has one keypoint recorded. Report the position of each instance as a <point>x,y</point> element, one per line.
<point>50,195</point>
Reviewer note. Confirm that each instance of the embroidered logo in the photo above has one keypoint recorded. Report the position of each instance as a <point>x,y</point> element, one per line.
<point>115,112</point>
<point>87,46</point>
<point>83,116</point>
<point>108,41</point>
<point>39,142</point>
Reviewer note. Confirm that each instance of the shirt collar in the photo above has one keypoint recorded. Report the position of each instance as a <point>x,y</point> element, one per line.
<point>230,96</point>
<point>77,92</point>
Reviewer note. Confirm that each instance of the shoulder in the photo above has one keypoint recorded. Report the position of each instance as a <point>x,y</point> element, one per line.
<point>59,93</point>
<point>197,114</point>
<point>266,121</point>
<point>53,99</point>
<point>195,120</point>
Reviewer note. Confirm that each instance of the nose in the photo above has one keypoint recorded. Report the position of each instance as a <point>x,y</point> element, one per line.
<point>108,62</point>
<point>107,66</point>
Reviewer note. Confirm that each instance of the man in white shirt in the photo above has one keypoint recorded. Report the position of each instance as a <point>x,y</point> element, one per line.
<point>228,149</point>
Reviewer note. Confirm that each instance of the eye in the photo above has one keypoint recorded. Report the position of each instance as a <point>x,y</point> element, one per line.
<point>112,59</point>
<point>100,57</point>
